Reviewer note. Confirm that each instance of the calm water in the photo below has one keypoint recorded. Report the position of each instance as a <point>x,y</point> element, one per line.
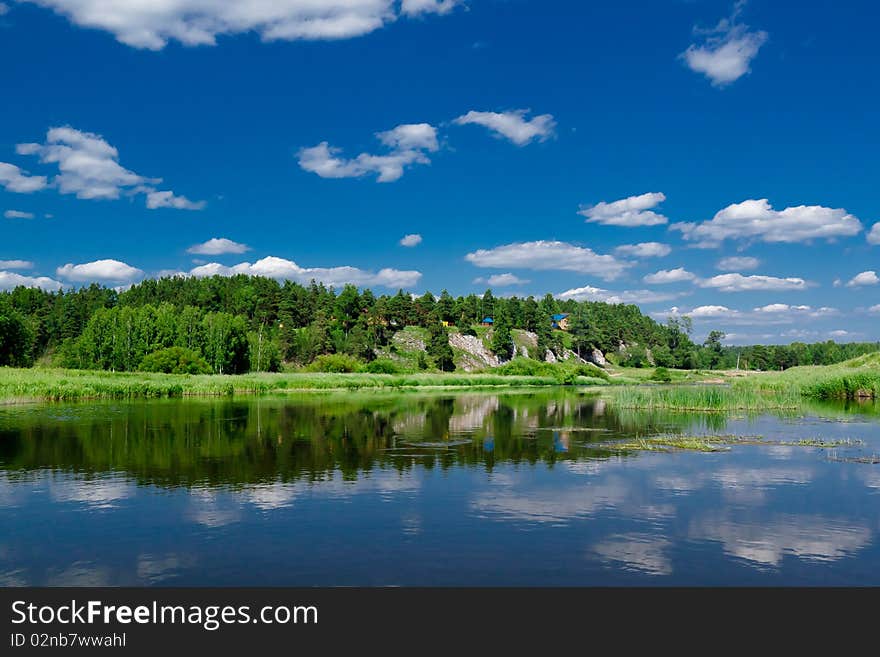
<point>415,489</point>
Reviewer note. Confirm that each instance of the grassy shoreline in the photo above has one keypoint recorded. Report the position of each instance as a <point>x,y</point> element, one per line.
<point>23,385</point>
<point>858,379</point>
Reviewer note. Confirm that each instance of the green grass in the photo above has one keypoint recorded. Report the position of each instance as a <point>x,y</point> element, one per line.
<point>627,389</point>
<point>709,443</point>
<point>668,443</point>
<point>858,378</point>
<point>712,398</point>
<point>69,385</point>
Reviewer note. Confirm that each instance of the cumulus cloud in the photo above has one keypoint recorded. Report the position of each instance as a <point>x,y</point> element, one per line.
<point>865,278</point>
<point>502,280</point>
<point>407,143</point>
<point>102,271</point>
<point>16,264</point>
<point>218,246</point>
<point>590,293</point>
<point>669,276</point>
<point>738,283</point>
<point>416,7</point>
<point>734,263</point>
<point>411,136</point>
<point>549,256</point>
<point>168,199</point>
<point>152,25</point>
<point>14,179</point>
<point>281,269</point>
<point>874,235</point>
<point>757,220</point>
<point>644,250</point>
<point>726,53</point>
<point>627,212</point>
<point>88,166</point>
<point>874,310</point>
<point>10,280</point>
<point>774,313</point>
<point>18,214</point>
<point>512,125</point>
<point>413,239</point>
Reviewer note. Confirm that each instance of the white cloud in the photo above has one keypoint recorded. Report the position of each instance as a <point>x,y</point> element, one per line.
<point>4,8</point>
<point>757,220</point>
<point>218,246</point>
<point>774,313</point>
<point>644,250</point>
<point>548,256</point>
<point>669,276</point>
<point>512,125</point>
<point>152,25</point>
<point>17,214</point>
<point>865,278</point>
<point>281,269</point>
<point>734,263</point>
<point>407,144</point>
<point>502,280</point>
<point>590,293</point>
<point>416,7</point>
<point>739,283</point>
<point>413,239</point>
<point>874,235</point>
<point>411,136</point>
<point>874,310</point>
<point>89,167</point>
<point>9,281</point>
<point>168,199</point>
<point>14,179</point>
<point>16,264</point>
<point>628,212</point>
<point>727,52</point>
<point>103,271</point>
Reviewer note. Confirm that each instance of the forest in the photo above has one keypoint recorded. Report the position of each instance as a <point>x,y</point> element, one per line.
<point>232,325</point>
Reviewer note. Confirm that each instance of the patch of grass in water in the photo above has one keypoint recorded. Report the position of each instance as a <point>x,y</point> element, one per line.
<point>666,444</point>
<point>702,398</point>
<point>821,442</point>
<point>711,443</point>
<point>873,459</point>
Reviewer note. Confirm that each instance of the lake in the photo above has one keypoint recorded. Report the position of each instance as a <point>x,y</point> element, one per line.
<point>379,489</point>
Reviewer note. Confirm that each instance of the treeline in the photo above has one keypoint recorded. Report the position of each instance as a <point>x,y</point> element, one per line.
<point>245,323</point>
<point>242,323</point>
<point>781,357</point>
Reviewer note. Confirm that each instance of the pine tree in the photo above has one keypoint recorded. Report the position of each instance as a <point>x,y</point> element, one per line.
<point>438,345</point>
<point>502,340</point>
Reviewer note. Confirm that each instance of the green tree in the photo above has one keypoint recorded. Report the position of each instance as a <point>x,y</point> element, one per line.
<point>16,339</point>
<point>226,343</point>
<point>713,349</point>
<point>580,328</point>
<point>502,339</point>
<point>438,345</point>
<point>175,360</point>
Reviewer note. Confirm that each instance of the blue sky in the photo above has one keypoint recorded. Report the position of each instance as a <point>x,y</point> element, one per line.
<point>523,142</point>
